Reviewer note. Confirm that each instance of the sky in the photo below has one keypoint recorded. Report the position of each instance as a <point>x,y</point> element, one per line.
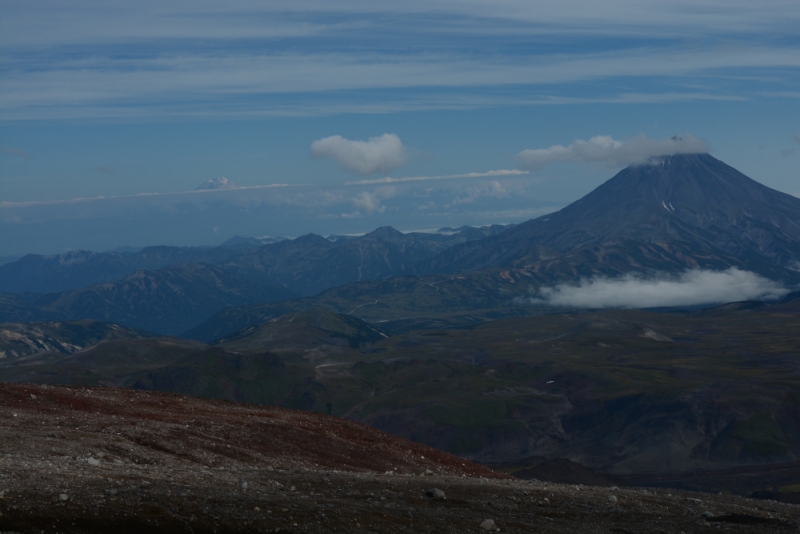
<point>340,117</point>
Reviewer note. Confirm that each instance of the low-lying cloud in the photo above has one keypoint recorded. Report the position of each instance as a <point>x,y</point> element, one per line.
<point>695,287</point>
<point>605,150</point>
<point>378,154</point>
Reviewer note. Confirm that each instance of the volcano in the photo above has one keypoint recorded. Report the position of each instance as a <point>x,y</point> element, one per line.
<point>673,213</point>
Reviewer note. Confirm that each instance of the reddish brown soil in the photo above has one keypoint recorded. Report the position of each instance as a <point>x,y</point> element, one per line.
<point>142,427</point>
<point>116,460</point>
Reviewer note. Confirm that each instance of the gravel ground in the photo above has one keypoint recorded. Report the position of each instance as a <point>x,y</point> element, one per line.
<point>115,460</point>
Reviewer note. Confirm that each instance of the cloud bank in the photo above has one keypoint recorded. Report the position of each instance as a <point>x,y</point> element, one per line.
<point>605,150</point>
<point>691,288</point>
<point>378,154</point>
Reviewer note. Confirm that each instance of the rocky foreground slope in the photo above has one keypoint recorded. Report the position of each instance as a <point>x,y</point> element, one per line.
<point>112,460</point>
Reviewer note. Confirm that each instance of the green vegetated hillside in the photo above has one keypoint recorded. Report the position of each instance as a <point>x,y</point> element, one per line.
<point>622,391</point>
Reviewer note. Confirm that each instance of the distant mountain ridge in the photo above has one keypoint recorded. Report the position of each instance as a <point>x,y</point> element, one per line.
<point>166,301</point>
<point>82,268</point>
<point>170,289</point>
<point>312,263</point>
<point>306,265</point>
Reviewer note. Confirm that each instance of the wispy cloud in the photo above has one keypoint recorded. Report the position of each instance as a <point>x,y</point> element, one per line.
<point>173,194</point>
<point>246,59</point>
<point>378,154</point>
<point>603,149</point>
<point>277,19</point>
<point>390,180</point>
<point>695,287</point>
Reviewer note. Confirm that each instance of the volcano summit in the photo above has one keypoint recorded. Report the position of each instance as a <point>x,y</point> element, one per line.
<point>673,213</point>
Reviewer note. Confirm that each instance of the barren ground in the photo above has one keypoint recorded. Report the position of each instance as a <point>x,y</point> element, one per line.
<point>115,460</point>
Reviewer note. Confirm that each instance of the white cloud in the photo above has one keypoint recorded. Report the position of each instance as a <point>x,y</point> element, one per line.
<point>369,202</point>
<point>693,287</point>
<point>378,154</point>
<point>603,149</point>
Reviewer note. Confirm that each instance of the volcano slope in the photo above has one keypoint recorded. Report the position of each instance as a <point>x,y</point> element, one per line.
<point>689,211</point>
<point>81,460</point>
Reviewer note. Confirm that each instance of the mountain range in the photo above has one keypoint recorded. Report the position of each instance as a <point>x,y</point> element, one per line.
<point>169,289</point>
<point>667,216</point>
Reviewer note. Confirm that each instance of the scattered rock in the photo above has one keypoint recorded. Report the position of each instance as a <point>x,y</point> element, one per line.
<point>242,483</point>
<point>428,472</point>
<point>111,491</point>
<point>707,514</point>
<point>612,499</point>
<point>32,396</point>
<point>92,461</point>
<point>436,493</point>
<point>489,525</point>
<point>63,497</point>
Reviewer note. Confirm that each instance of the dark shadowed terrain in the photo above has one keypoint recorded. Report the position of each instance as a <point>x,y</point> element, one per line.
<point>628,393</point>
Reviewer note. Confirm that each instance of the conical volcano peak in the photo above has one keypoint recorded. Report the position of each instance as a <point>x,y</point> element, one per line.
<point>714,214</point>
<point>697,189</point>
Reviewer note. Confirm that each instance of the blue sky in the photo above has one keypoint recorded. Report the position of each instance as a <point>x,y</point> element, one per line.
<point>115,100</point>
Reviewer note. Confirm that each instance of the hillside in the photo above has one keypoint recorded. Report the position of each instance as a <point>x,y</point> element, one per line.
<point>92,460</point>
<point>400,303</point>
<point>22,339</point>
<point>624,392</point>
